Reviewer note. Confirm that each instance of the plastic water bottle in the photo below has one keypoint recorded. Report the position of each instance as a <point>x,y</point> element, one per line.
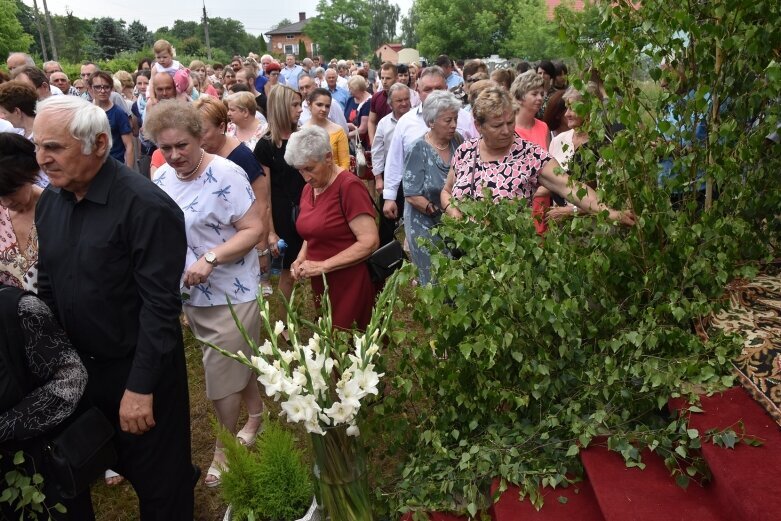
<point>276,262</point>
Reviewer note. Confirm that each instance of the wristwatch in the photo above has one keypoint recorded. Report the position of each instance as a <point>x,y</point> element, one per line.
<point>263,253</point>
<point>210,257</point>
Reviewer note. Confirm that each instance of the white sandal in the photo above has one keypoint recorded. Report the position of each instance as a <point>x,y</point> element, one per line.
<point>215,469</point>
<point>247,437</point>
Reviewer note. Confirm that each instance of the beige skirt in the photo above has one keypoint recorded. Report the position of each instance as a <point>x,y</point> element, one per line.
<point>224,376</point>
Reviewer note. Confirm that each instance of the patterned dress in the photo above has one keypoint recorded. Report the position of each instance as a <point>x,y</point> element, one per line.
<point>211,203</point>
<point>50,358</point>
<point>515,176</point>
<point>17,268</point>
<point>424,175</point>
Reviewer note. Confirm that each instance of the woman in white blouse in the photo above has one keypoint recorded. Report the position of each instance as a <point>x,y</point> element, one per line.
<point>223,224</point>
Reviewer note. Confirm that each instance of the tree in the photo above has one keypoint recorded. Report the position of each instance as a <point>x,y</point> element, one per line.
<point>76,29</point>
<point>183,30</point>
<point>409,23</point>
<point>532,35</point>
<point>463,28</point>
<point>301,50</point>
<point>42,39</point>
<point>383,22</point>
<point>138,35</point>
<point>12,35</point>
<point>282,23</point>
<point>48,19</point>
<point>341,29</point>
<point>609,337</point>
<point>110,38</point>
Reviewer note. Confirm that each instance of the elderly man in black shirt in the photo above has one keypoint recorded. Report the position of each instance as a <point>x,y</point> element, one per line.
<point>112,251</point>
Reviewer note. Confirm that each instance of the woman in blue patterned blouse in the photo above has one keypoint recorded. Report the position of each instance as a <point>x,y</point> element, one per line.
<point>223,224</point>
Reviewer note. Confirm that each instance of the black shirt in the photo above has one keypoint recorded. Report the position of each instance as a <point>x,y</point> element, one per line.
<point>110,267</point>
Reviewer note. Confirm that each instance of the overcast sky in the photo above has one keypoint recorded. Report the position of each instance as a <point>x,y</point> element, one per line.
<point>258,16</point>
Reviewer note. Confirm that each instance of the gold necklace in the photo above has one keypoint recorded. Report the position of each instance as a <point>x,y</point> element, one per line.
<point>185,177</point>
<point>431,142</point>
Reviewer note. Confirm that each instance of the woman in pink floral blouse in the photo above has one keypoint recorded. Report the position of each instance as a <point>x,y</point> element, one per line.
<point>18,197</point>
<point>508,166</point>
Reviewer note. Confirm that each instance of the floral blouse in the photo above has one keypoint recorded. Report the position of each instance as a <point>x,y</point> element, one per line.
<point>212,203</point>
<point>514,177</point>
<point>17,268</point>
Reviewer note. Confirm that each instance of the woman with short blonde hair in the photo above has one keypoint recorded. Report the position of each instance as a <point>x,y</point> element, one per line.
<point>244,125</point>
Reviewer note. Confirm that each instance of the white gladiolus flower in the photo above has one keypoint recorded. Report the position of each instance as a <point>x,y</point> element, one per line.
<point>272,381</point>
<point>266,348</point>
<point>341,412</point>
<point>299,379</point>
<point>314,427</point>
<point>373,349</point>
<point>289,387</point>
<point>314,343</point>
<point>287,356</point>
<point>367,380</point>
<point>261,365</point>
<point>351,394</point>
<point>301,408</point>
<point>353,430</point>
<point>279,327</point>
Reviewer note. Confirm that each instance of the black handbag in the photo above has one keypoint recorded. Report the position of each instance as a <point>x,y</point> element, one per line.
<point>81,452</point>
<point>385,260</point>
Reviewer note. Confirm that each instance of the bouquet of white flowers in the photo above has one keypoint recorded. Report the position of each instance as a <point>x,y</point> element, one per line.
<point>322,384</point>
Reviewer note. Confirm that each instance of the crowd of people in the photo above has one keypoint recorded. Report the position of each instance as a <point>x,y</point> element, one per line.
<point>132,203</point>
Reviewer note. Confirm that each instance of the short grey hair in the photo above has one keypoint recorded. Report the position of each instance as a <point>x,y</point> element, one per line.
<point>319,70</point>
<point>308,144</point>
<point>85,121</point>
<point>433,70</point>
<point>438,102</point>
<point>395,88</point>
<point>526,82</point>
<point>307,62</point>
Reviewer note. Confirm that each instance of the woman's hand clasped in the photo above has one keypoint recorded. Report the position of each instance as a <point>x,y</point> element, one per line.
<point>197,273</point>
<point>306,268</point>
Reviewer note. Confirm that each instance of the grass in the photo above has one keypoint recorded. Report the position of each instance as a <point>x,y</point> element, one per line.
<point>121,504</point>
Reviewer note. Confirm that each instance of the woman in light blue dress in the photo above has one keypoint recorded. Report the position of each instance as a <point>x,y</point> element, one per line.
<point>425,172</point>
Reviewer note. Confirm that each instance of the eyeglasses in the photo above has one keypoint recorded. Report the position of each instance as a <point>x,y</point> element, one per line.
<point>101,87</point>
<point>273,73</point>
<point>85,74</point>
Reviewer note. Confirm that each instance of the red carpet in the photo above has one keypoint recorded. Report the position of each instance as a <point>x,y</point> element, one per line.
<point>745,479</point>
<point>580,505</point>
<point>631,494</point>
<point>744,486</point>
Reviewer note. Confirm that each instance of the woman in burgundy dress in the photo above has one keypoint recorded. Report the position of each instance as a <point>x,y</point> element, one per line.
<point>338,227</point>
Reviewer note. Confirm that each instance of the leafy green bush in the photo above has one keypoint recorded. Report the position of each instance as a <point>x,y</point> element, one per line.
<point>271,483</point>
<point>529,350</point>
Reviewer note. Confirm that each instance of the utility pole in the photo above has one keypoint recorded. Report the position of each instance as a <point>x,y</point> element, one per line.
<point>206,32</point>
<point>48,19</point>
<point>37,17</point>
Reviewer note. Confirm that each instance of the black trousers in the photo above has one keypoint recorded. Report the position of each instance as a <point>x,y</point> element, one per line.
<point>157,463</point>
<point>387,226</point>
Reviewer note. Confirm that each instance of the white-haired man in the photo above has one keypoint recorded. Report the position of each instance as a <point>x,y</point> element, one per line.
<point>411,127</point>
<point>112,250</point>
<point>17,60</point>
